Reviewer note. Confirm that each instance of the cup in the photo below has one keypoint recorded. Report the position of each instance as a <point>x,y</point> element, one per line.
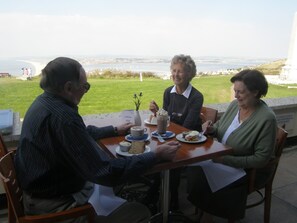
<point>162,123</point>
<point>137,132</point>
<point>125,146</point>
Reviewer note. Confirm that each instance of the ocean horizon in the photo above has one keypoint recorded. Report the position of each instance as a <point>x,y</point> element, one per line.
<point>157,65</point>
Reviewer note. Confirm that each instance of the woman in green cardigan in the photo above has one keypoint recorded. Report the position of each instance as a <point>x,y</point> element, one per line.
<point>249,127</point>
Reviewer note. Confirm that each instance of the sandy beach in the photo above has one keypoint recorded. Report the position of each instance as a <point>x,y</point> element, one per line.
<point>37,69</point>
<point>37,66</point>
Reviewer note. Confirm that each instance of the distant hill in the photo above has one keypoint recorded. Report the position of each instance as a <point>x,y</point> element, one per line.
<point>272,68</point>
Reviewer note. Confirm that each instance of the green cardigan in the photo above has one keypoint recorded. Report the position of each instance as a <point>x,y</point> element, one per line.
<point>253,141</point>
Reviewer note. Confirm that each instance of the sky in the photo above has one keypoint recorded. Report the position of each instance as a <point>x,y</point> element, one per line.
<point>220,28</point>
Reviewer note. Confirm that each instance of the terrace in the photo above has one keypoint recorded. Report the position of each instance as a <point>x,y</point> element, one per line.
<point>284,195</point>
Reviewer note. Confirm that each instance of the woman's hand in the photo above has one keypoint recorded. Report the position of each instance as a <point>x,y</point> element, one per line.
<point>154,107</point>
<point>207,127</point>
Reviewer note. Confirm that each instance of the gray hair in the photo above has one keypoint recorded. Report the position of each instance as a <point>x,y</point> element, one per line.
<point>59,71</point>
<point>187,62</point>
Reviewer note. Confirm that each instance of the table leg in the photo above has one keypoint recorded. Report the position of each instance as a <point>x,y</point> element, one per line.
<point>165,194</point>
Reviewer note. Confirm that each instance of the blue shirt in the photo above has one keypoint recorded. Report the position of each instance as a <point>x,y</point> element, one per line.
<point>57,153</point>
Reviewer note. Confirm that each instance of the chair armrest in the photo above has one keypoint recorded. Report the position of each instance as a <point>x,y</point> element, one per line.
<point>84,210</point>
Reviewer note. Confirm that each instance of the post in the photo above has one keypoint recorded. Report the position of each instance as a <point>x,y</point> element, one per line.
<point>289,71</point>
<point>140,76</point>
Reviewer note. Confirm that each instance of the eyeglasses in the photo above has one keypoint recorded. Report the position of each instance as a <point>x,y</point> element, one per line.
<point>86,86</point>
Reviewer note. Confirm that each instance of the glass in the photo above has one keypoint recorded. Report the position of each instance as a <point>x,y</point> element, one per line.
<point>163,122</point>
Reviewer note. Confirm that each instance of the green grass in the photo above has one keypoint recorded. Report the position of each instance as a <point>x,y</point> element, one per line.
<point>114,95</point>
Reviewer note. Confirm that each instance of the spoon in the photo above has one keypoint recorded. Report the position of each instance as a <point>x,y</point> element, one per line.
<point>160,138</point>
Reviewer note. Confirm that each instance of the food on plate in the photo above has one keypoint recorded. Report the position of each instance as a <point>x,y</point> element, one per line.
<point>185,133</point>
<point>192,136</point>
<point>137,147</point>
<point>153,119</point>
<point>125,146</point>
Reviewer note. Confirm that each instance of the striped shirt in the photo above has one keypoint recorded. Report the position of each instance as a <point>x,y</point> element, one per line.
<point>57,153</point>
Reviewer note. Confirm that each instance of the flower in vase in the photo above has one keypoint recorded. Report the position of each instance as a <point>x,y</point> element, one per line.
<point>137,100</point>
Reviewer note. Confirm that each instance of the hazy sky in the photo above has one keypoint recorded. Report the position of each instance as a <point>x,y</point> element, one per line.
<point>250,28</point>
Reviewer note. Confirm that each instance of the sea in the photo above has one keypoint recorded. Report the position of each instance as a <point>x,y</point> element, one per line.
<point>158,65</point>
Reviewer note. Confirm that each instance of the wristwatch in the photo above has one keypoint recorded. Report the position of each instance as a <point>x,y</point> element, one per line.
<point>116,130</point>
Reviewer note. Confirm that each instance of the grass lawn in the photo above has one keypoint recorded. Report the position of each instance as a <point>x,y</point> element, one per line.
<point>114,95</point>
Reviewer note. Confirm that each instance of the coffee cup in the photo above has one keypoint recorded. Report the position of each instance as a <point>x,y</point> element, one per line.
<point>125,146</point>
<point>137,132</point>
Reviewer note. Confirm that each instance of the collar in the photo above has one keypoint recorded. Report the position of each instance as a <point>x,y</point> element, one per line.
<point>186,93</point>
<point>59,97</point>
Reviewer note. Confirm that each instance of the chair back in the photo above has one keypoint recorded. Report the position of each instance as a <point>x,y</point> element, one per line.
<point>280,141</point>
<point>3,149</point>
<point>208,114</point>
<point>281,137</point>
<point>13,191</point>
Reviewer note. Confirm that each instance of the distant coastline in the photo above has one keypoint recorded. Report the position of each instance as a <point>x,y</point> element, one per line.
<point>158,65</point>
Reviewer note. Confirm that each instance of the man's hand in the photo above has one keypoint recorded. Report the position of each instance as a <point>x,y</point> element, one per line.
<point>154,107</point>
<point>124,128</point>
<point>167,150</point>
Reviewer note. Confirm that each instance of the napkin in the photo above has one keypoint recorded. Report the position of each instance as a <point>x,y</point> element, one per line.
<point>104,200</point>
<point>219,175</point>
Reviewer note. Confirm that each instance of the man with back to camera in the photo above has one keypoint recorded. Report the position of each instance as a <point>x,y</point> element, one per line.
<point>58,160</point>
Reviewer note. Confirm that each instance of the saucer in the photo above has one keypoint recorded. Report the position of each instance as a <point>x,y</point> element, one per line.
<point>166,135</point>
<point>119,152</point>
<point>145,137</point>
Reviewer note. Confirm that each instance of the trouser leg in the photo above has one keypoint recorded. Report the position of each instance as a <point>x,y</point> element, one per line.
<point>131,212</point>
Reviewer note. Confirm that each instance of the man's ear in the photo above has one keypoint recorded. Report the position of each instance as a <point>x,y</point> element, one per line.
<point>68,87</point>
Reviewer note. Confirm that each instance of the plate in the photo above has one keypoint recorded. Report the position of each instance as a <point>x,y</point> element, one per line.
<point>119,152</point>
<point>145,137</point>
<point>166,135</point>
<point>179,137</point>
<point>147,121</point>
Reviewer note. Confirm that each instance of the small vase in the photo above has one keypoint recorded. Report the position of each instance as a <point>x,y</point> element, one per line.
<point>137,118</point>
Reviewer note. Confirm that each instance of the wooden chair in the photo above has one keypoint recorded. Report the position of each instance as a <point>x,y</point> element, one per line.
<point>208,114</point>
<point>3,149</point>
<point>273,163</point>
<point>3,152</point>
<point>14,195</point>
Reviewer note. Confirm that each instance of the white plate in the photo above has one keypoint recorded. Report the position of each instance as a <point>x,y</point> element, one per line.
<point>179,137</point>
<point>167,135</point>
<point>119,152</point>
<point>147,121</point>
<point>145,137</point>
